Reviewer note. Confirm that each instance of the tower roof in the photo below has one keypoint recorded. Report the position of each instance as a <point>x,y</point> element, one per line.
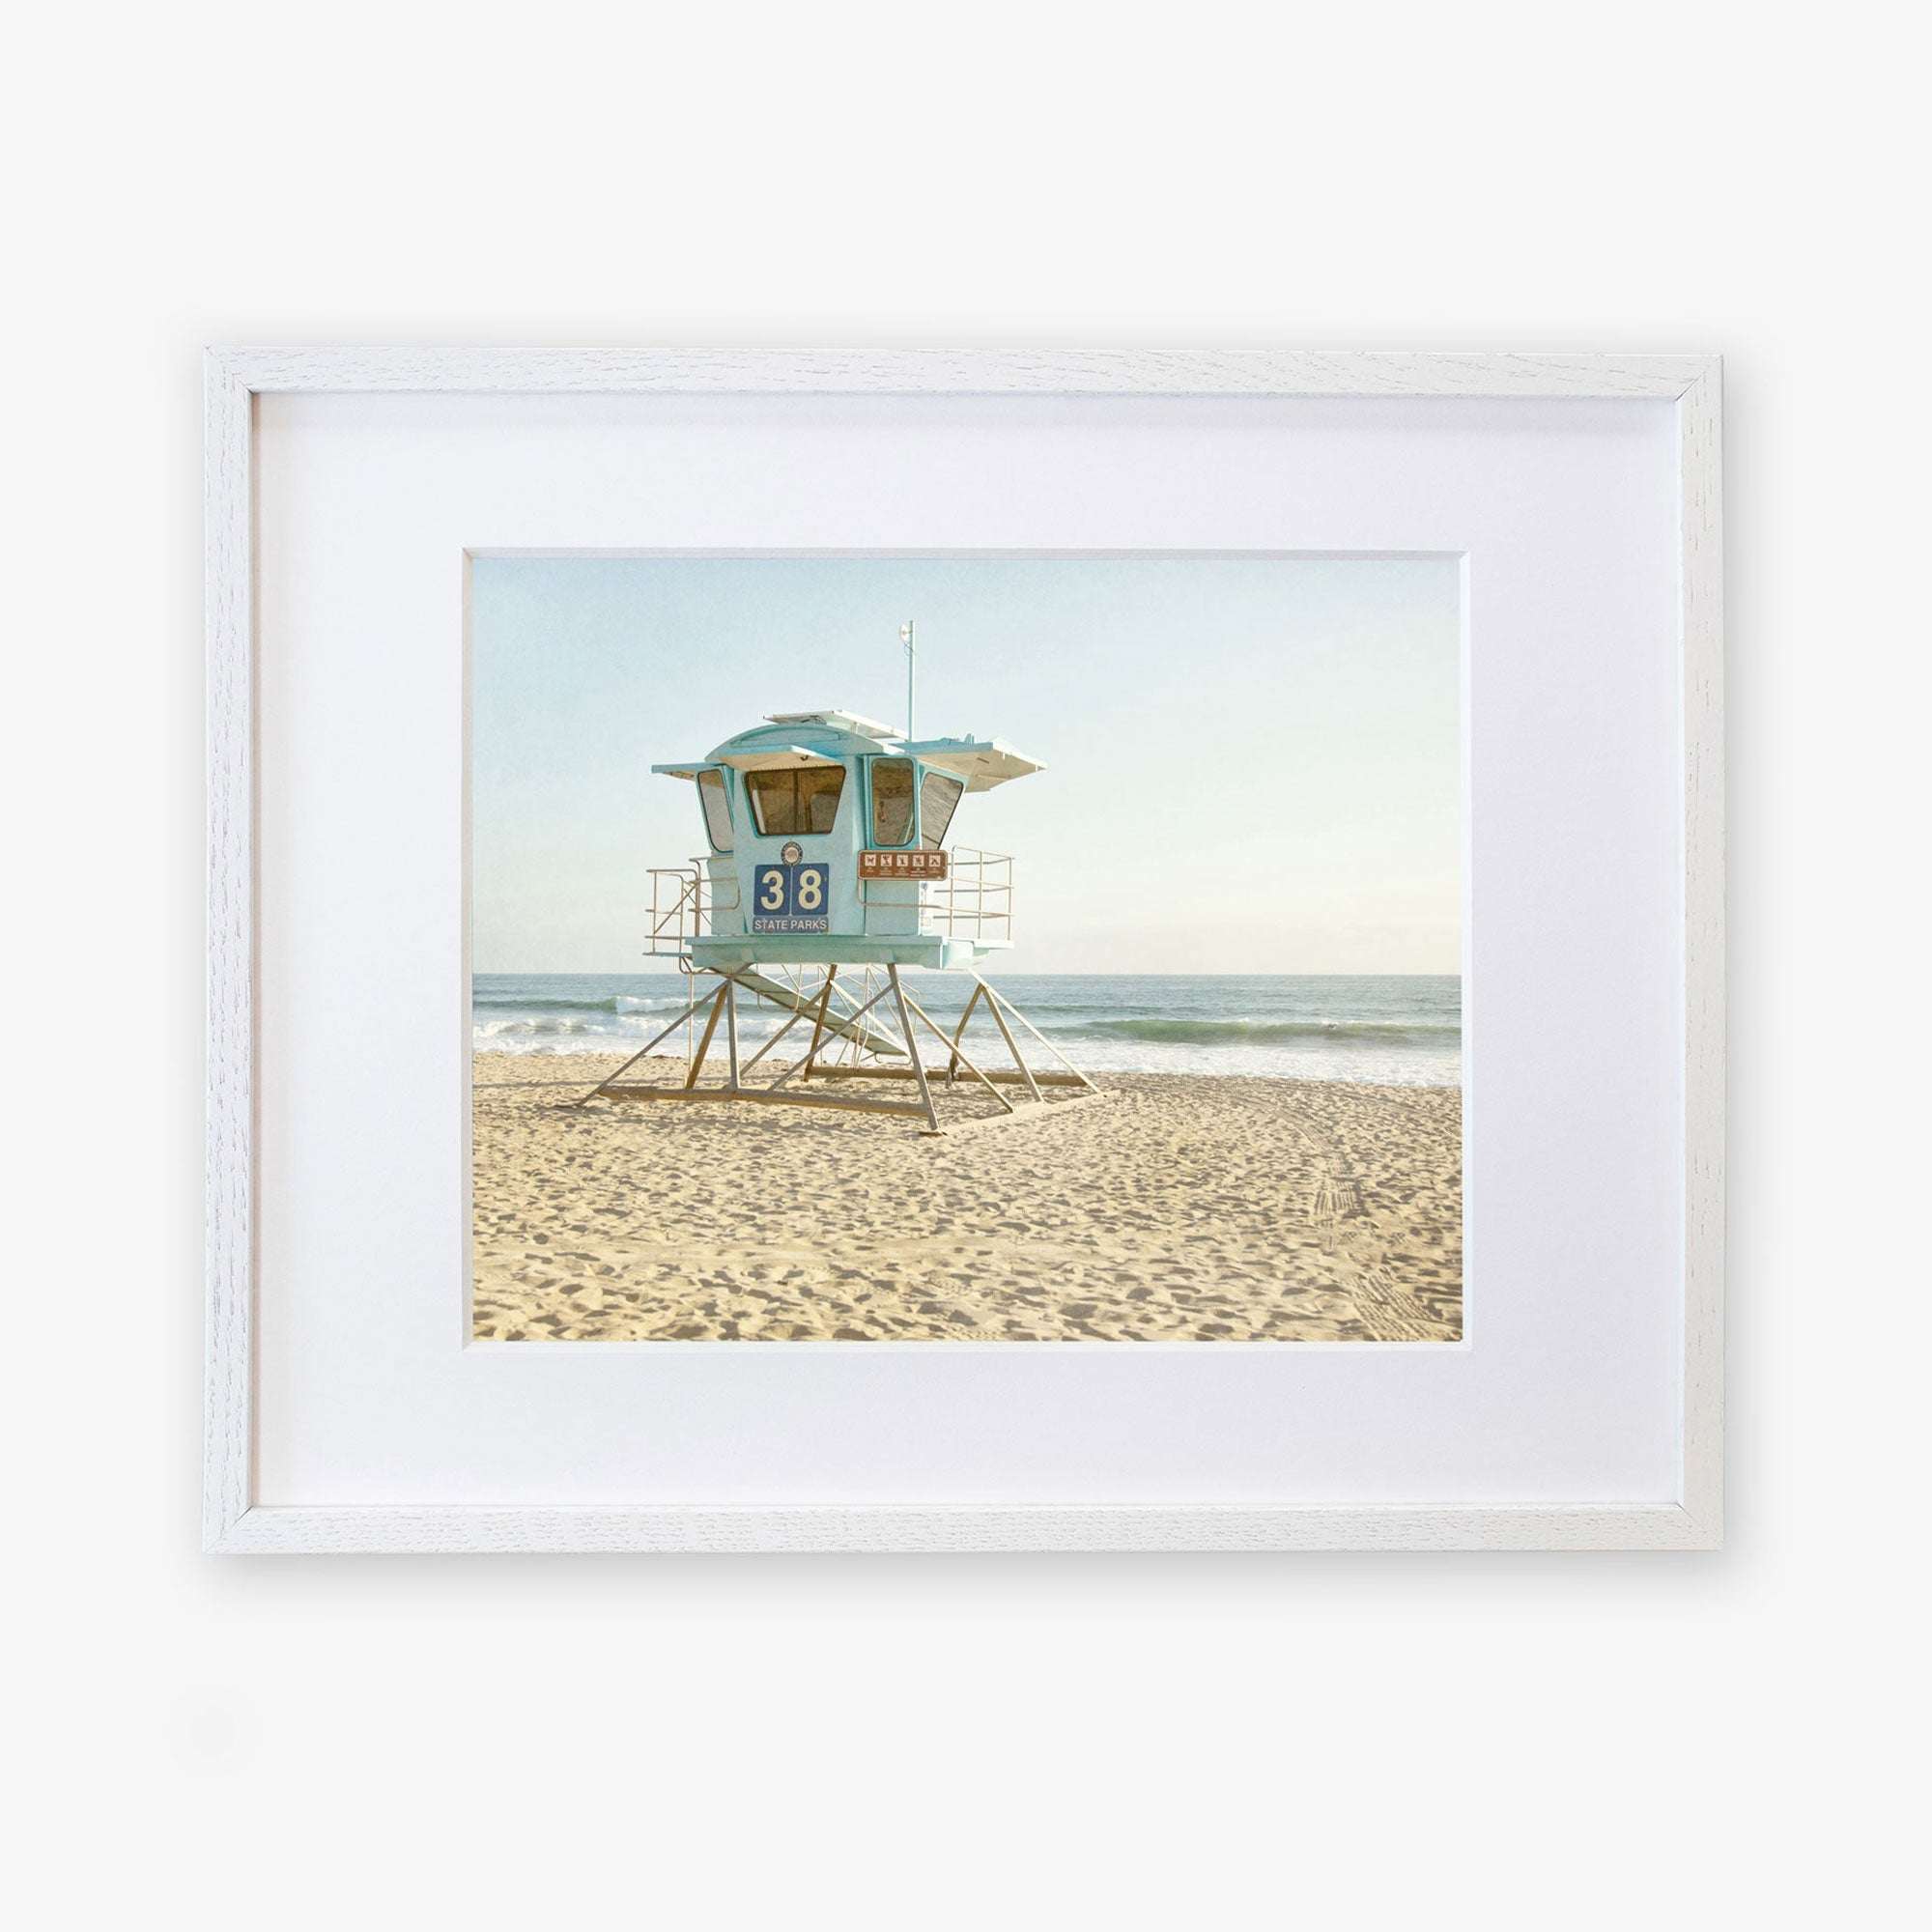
<point>788,740</point>
<point>838,720</point>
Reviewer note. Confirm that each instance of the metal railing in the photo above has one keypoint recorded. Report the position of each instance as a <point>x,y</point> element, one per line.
<point>975,900</point>
<point>682,899</point>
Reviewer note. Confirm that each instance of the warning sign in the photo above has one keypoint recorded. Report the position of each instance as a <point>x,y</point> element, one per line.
<point>903,864</point>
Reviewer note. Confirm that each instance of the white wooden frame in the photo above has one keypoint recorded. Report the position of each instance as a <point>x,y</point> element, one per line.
<point>235,376</point>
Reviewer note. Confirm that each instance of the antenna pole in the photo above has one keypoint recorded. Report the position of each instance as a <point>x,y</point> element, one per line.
<point>906,638</point>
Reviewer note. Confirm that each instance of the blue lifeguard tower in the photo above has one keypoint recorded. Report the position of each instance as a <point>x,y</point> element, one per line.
<point>827,872</point>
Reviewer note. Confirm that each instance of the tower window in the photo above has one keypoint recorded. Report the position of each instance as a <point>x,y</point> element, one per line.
<point>717,811</point>
<point>938,799</point>
<point>892,801</point>
<point>788,804</point>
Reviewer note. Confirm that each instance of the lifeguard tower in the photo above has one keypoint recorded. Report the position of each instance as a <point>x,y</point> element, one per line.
<point>827,873</point>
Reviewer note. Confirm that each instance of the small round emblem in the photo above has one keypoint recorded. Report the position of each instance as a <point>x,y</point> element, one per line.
<point>791,852</point>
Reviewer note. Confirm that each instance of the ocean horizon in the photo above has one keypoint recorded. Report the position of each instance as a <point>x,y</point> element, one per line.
<point>1379,1029</point>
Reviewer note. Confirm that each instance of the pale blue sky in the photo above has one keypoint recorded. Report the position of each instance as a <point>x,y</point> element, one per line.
<point>1253,764</point>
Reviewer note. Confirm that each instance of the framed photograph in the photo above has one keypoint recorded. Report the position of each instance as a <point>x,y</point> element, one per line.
<point>964,951</point>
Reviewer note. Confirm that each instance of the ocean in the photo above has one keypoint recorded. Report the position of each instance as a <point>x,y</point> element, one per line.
<point>1392,1029</point>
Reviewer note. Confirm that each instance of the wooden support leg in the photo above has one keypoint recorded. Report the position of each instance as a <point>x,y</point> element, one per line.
<point>804,1007</point>
<point>927,1019</point>
<point>704,1040</point>
<point>839,1073</point>
<point>1013,1045</point>
<point>612,1079</point>
<point>912,1050</point>
<point>818,1024</point>
<point>959,1033</point>
<point>805,1066</point>
<point>999,1004</point>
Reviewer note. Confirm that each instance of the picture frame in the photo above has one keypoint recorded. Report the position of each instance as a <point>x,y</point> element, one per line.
<point>237,1520</point>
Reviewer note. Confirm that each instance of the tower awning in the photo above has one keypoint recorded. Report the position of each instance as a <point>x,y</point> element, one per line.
<point>687,770</point>
<point>981,762</point>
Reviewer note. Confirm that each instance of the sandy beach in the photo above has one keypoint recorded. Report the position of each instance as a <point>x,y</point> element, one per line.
<point>1180,1208</point>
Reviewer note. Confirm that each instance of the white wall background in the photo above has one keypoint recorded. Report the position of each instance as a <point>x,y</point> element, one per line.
<point>1517,1742</point>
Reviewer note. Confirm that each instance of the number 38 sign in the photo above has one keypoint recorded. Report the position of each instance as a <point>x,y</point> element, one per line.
<point>790,897</point>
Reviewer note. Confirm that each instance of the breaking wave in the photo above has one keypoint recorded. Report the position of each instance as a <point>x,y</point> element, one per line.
<point>1253,1033</point>
<point>1404,1030</point>
<point>615,1003</point>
